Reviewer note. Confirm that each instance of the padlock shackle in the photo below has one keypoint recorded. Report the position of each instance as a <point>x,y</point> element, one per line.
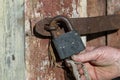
<point>63,19</point>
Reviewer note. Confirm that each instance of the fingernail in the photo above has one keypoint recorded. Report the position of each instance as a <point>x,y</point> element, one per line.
<point>74,57</point>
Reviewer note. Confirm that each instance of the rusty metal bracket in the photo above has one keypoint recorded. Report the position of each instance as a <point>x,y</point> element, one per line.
<point>85,26</point>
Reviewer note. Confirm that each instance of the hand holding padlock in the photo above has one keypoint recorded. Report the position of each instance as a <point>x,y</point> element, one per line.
<point>67,43</point>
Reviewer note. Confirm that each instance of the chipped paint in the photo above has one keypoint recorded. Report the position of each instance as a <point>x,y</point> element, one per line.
<point>37,61</point>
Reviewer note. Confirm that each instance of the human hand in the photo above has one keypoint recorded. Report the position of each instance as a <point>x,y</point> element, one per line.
<point>102,63</point>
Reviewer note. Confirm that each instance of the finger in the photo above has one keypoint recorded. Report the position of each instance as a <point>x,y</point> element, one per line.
<point>90,48</point>
<point>87,56</point>
<point>83,77</point>
<point>91,71</point>
<point>87,49</point>
<point>81,71</point>
<point>79,66</point>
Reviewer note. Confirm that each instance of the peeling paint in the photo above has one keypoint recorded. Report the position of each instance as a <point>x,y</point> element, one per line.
<point>36,48</point>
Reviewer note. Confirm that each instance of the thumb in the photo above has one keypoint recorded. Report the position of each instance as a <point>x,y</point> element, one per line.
<point>85,57</point>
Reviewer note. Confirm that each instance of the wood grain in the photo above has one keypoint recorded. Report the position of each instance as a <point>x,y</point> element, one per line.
<point>113,7</point>
<point>12,62</point>
<point>96,8</point>
<point>36,47</point>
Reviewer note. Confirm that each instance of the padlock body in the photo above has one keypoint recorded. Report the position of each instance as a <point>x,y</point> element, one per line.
<point>68,44</point>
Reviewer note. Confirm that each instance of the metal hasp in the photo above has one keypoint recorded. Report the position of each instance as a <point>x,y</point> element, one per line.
<point>86,25</point>
<point>67,43</point>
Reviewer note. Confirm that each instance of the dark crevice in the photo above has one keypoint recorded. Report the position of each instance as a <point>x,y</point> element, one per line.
<point>13,57</point>
<point>106,34</point>
<point>100,34</point>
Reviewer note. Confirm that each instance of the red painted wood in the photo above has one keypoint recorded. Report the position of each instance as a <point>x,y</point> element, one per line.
<point>96,8</point>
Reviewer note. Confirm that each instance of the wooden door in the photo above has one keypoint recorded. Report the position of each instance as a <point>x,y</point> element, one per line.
<point>37,61</point>
<point>24,56</point>
<point>37,48</point>
<point>12,59</point>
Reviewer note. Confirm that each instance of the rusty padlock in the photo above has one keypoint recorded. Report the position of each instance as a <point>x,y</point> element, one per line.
<point>69,42</point>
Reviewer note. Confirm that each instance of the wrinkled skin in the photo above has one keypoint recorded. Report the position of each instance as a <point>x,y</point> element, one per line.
<point>103,63</point>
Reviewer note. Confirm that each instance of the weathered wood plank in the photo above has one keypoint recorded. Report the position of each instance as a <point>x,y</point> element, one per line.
<point>12,61</point>
<point>96,8</point>
<point>37,48</point>
<point>113,6</point>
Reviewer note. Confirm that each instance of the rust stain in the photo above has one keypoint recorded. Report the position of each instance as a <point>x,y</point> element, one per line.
<point>50,8</point>
<point>53,7</point>
<point>37,61</point>
<point>56,7</point>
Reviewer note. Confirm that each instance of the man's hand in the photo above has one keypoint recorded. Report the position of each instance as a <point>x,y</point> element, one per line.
<point>103,63</point>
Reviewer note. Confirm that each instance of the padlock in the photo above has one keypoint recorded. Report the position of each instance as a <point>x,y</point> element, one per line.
<point>68,43</point>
